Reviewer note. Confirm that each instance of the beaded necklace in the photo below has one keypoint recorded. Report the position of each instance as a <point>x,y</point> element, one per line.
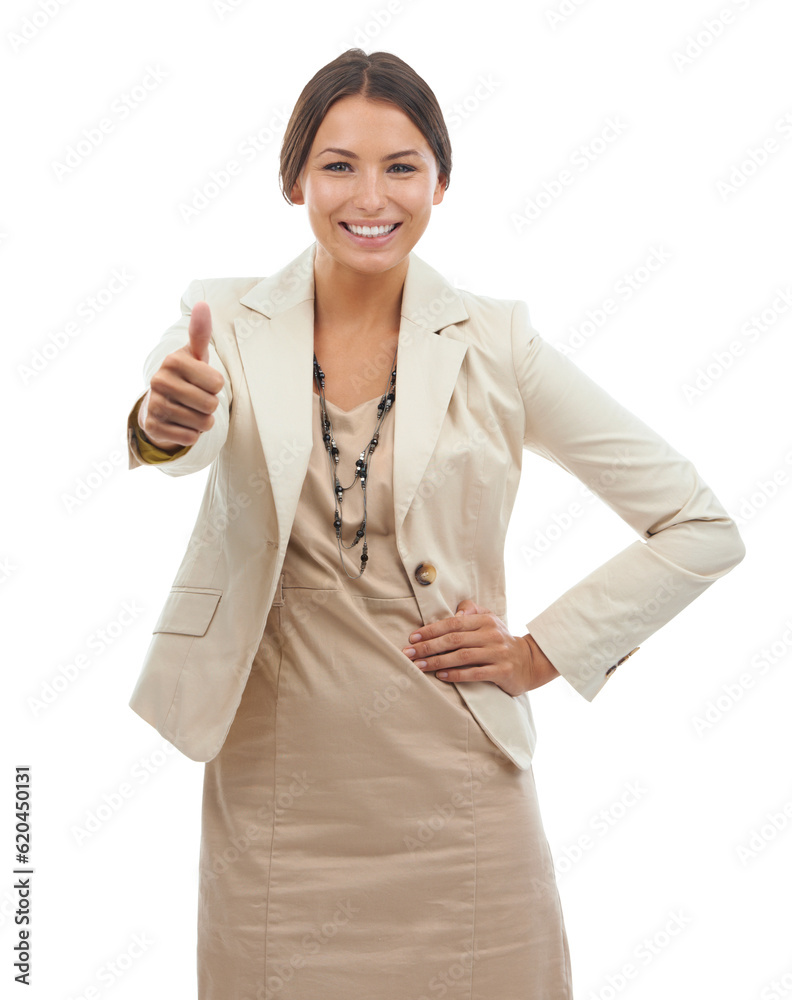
<point>361,465</point>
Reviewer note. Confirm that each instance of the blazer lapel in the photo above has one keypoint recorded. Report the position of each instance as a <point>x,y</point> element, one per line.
<point>276,347</point>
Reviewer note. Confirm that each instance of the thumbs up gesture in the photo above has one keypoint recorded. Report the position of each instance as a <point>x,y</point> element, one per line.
<point>182,396</point>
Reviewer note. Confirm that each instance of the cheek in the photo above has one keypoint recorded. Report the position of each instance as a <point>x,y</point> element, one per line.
<point>423,205</point>
<point>418,199</point>
<point>321,196</point>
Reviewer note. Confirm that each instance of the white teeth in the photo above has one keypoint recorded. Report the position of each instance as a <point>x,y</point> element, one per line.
<point>371,230</point>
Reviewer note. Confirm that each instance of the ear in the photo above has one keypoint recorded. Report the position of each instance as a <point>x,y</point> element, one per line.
<point>296,193</point>
<point>439,192</point>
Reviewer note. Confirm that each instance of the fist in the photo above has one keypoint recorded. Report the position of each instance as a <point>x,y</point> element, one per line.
<point>182,396</point>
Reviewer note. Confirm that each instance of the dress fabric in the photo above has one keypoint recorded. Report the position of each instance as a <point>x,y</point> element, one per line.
<point>361,834</point>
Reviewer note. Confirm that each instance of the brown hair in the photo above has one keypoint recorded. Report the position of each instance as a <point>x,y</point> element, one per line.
<point>380,76</point>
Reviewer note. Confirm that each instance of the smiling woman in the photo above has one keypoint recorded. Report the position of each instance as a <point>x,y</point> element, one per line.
<point>367,210</point>
<point>370,825</point>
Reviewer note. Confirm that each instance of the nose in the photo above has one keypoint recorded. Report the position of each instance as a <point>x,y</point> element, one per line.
<point>370,193</point>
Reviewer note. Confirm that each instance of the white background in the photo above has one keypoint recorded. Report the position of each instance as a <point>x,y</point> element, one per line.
<point>534,86</point>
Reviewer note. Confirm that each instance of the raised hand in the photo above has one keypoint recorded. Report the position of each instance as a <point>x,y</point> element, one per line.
<point>182,396</point>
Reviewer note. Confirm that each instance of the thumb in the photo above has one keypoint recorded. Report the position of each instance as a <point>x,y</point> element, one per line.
<point>469,607</point>
<point>200,330</point>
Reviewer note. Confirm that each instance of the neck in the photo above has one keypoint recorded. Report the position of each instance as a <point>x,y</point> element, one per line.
<point>352,304</point>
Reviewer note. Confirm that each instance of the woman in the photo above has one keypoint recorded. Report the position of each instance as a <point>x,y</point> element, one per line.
<point>333,646</point>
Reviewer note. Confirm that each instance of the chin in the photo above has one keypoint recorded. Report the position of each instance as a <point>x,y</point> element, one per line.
<point>362,260</point>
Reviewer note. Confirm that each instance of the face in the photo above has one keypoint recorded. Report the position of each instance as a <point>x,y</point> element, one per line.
<point>353,178</point>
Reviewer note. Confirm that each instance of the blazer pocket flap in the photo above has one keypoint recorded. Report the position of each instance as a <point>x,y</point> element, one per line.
<point>188,611</point>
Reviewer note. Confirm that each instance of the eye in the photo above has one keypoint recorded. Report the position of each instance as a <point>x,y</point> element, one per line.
<point>405,167</point>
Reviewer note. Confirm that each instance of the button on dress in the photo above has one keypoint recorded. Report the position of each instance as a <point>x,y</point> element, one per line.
<point>361,834</point>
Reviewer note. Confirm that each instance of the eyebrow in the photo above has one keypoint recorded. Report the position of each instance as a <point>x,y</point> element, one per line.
<point>354,156</point>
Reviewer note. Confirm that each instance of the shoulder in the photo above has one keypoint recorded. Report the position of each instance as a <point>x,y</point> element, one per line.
<point>222,295</point>
<point>493,323</point>
<point>487,310</point>
<point>223,292</point>
<point>487,331</point>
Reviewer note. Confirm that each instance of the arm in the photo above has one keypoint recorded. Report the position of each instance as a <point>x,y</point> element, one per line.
<point>201,454</point>
<point>687,540</point>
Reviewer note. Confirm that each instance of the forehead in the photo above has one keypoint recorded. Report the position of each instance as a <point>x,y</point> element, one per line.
<point>366,120</point>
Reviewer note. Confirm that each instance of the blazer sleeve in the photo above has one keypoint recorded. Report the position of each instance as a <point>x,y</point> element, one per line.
<point>687,539</point>
<point>201,454</point>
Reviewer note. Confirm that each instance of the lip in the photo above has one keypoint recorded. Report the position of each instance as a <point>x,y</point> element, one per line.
<point>370,241</point>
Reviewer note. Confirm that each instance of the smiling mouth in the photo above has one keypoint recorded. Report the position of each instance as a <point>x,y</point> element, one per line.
<point>370,231</point>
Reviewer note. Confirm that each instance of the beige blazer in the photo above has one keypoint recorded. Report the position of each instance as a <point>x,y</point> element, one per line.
<point>477,385</point>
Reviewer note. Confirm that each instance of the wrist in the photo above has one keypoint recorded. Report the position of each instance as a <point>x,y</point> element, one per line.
<point>540,670</point>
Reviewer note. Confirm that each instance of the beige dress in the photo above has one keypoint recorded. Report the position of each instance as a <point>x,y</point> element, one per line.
<point>362,837</point>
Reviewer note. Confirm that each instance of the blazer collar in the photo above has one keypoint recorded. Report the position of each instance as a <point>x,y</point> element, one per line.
<point>276,348</point>
<point>428,300</point>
